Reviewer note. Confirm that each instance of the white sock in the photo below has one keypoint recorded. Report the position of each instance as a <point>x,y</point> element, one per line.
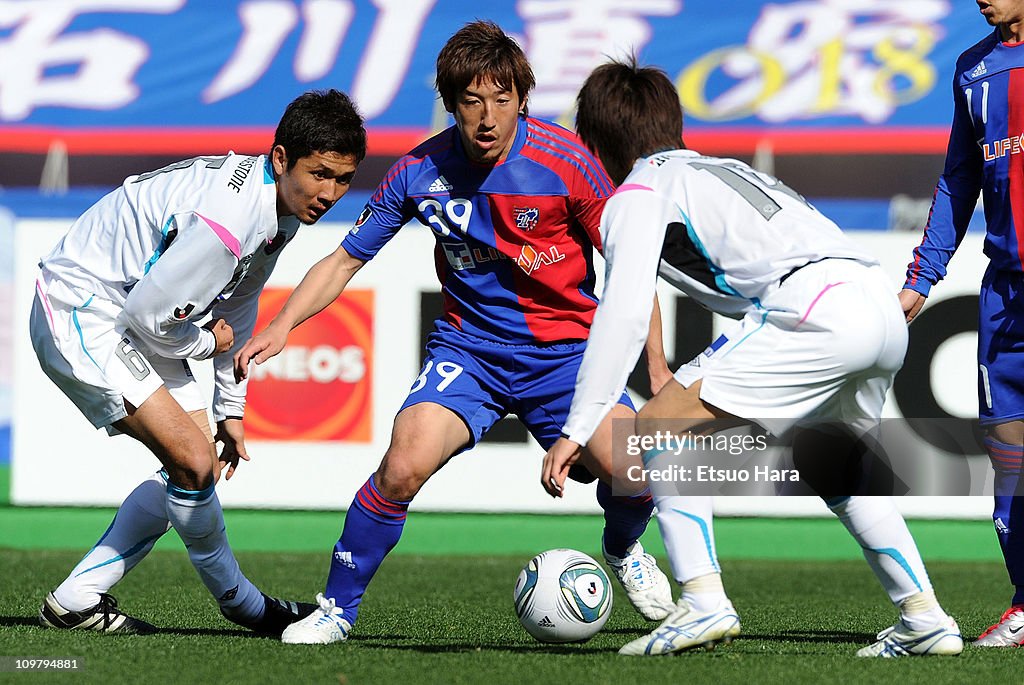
<point>705,593</point>
<point>137,525</point>
<point>199,520</point>
<point>888,546</point>
<point>687,529</point>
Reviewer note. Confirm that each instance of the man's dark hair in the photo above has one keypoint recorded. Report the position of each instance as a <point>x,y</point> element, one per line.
<point>481,49</point>
<point>625,112</point>
<point>321,121</point>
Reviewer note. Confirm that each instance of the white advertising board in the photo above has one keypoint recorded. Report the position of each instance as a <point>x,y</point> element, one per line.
<point>59,459</point>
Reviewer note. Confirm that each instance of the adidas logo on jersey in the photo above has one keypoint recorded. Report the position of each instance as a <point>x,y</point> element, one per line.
<point>345,559</point>
<point>440,185</point>
<point>979,70</point>
<point>546,623</point>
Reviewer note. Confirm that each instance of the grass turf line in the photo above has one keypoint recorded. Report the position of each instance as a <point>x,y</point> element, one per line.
<point>433,533</point>
<point>449,619</point>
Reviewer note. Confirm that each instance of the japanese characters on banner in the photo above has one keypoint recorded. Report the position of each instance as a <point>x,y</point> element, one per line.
<point>88,70</point>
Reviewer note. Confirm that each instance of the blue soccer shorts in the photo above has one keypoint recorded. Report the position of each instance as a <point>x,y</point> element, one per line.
<point>1001,347</point>
<point>482,381</point>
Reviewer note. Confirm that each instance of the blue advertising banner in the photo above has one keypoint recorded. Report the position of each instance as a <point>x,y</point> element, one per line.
<point>123,76</point>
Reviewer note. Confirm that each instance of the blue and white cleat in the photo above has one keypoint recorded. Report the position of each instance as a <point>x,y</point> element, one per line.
<point>943,639</point>
<point>687,629</point>
<point>325,625</point>
<point>646,585</point>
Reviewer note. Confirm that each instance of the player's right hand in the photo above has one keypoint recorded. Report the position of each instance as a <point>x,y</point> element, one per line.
<point>562,455</point>
<point>259,348</point>
<point>912,302</point>
<point>223,333</point>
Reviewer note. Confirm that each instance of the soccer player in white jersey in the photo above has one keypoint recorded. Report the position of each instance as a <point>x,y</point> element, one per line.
<point>820,334</point>
<point>116,318</point>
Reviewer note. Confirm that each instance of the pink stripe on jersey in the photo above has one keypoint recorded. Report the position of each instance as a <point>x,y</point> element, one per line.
<point>230,241</point>
<point>819,296</point>
<point>632,186</point>
<point>46,304</point>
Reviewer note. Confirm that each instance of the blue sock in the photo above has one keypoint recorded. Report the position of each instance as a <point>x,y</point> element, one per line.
<point>1008,514</point>
<point>625,518</point>
<point>373,526</point>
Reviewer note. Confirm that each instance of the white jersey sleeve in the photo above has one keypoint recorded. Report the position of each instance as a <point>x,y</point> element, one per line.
<point>632,230</point>
<point>161,308</point>
<point>239,311</point>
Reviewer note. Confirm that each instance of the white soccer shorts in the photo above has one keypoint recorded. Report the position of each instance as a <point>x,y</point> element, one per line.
<point>826,344</point>
<point>79,348</point>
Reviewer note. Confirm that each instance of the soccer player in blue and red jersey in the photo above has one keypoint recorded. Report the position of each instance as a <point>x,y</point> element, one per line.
<point>515,204</point>
<point>986,155</point>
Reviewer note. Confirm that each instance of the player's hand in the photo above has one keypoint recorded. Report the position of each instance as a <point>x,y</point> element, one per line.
<point>260,348</point>
<point>563,454</point>
<point>911,301</point>
<point>223,333</point>
<point>231,434</point>
<point>659,375</point>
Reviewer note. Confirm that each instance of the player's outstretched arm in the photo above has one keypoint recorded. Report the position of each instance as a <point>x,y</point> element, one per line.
<point>320,286</point>
<point>912,302</point>
<point>657,363</point>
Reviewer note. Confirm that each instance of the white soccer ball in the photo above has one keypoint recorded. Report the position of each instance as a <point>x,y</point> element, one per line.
<point>562,596</point>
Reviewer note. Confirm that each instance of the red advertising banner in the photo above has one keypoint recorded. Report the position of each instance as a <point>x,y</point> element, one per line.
<point>320,387</point>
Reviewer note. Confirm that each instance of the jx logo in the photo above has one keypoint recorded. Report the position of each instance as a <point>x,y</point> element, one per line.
<point>530,259</point>
<point>526,217</point>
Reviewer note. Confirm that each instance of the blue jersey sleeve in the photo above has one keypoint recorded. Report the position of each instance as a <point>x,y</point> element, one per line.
<point>956,195</point>
<point>382,216</point>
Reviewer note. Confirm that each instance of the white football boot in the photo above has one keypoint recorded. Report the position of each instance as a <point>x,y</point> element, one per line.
<point>899,640</point>
<point>686,629</point>
<point>648,589</point>
<point>325,625</point>
<point>1008,632</point>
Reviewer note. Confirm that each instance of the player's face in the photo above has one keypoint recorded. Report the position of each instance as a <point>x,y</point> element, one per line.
<point>313,185</point>
<point>1002,12</point>
<point>487,116</point>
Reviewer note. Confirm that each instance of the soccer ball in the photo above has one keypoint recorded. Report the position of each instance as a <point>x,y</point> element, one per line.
<point>562,596</point>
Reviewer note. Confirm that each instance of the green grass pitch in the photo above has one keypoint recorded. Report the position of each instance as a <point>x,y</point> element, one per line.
<point>442,617</point>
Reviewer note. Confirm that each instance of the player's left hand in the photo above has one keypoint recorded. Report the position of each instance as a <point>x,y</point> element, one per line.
<point>563,454</point>
<point>231,434</point>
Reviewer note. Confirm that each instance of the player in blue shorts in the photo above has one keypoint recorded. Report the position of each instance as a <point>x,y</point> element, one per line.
<point>514,203</point>
<point>985,156</point>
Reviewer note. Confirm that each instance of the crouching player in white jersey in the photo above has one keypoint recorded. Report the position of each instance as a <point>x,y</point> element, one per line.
<point>820,334</point>
<point>115,321</point>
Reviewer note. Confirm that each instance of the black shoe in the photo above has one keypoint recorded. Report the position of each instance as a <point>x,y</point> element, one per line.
<point>105,617</point>
<point>278,614</point>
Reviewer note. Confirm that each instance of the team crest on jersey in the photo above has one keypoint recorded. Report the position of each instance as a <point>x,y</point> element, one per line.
<point>181,313</point>
<point>364,216</point>
<point>526,217</point>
